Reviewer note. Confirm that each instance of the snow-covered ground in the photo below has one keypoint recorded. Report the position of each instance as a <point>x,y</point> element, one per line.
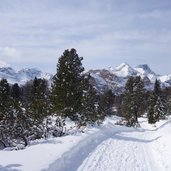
<point>106,148</point>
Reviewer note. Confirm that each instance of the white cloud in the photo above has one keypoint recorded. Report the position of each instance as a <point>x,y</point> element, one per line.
<point>3,64</point>
<point>10,54</point>
<point>37,32</point>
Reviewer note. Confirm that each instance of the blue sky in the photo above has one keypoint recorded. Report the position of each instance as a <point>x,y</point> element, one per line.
<point>34,33</point>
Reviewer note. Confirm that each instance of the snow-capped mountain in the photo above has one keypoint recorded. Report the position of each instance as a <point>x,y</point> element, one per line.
<point>115,78</point>
<point>145,71</point>
<point>123,70</point>
<point>112,78</point>
<point>22,76</point>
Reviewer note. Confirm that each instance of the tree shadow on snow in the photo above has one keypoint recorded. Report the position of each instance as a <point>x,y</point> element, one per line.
<point>10,167</point>
<point>124,138</point>
<point>48,141</point>
<point>160,127</point>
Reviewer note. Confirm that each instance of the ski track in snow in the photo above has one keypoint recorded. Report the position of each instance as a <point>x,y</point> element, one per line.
<point>110,149</point>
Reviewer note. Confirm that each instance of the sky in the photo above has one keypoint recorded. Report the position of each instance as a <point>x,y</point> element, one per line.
<point>106,33</point>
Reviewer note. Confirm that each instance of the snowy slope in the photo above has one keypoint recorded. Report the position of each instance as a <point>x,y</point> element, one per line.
<point>22,76</point>
<point>124,70</point>
<point>166,80</point>
<point>8,73</point>
<point>109,147</point>
<point>145,71</point>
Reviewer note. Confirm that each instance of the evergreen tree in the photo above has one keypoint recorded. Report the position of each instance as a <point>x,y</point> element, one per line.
<point>152,117</point>
<point>91,107</point>
<point>169,104</point>
<point>160,106</point>
<point>4,95</point>
<point>5,116</point>
<point>38,108</point>
<point>107,102</point>
<point>21,123</point>
<point>15,91</point>
<point>128,105</point>
<point>157,105</point>
<point>12,126</point>
<point>39,105</point>
<point>138,96</point>
<point>133,100</point>
<point>159,109</point>
<point>118,105</point>
<point>27,92</point>
<point>67,88</point>
<point>157,88</point>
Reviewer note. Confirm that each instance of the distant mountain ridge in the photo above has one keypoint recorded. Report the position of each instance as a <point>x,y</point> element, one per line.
<point>23,75</point>
<point>115,78</point>
<point>111,78</point>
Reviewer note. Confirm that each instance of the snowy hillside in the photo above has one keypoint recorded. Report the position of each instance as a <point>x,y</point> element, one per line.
<point>145,71</point>
<point>115,78</point>
<point>109,147</point>
<point>124,70</point>
<point>22,76</point>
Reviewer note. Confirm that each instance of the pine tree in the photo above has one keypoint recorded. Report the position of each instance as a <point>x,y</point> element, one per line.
<point>107,102</point>
<point>21,122</point>
<point>169,104</point>
<point>91,109</point>
<point>5,117</point>
<point>4,96</point>
<point>128,105</point>
<point>15,91</point>
<point>133,100</point>
<point>12,127</point>
<point>67,88</point>
<point>157,105</point>
<point>159,109</point>
<point>138,96</point>
<point>39,105</point>
<point>38,108</point>
<point>118,105</point>
<point>157,88</point>
<point>152,118</point>
<point>160,106</point>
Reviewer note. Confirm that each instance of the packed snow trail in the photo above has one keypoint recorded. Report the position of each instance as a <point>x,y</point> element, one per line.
<point>111,149</point>
<point>121,153</point>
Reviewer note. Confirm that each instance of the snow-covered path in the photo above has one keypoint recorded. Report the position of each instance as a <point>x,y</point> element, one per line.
<point>120,153</point>
<point>106,148</point>
<point>111,149</point>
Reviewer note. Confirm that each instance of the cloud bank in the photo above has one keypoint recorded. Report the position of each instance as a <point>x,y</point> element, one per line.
<point>105,32</point>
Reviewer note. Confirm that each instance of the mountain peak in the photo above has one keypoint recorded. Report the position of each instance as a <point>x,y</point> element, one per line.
<point>123,65</point>
<point>23,75</point>
<point>144,69</point>
<point>124,70</point>
<point>7,70</point>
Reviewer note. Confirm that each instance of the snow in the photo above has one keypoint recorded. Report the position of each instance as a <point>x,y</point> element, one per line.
<point>117,77</point>
<point>144,69</point>
<point>98,79</point>
<point>3,64</point>
<point>39,156</point>
<point>109,147</point>
<point>124,70</point>
<point>165,78</point>
<point>22,76</point>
